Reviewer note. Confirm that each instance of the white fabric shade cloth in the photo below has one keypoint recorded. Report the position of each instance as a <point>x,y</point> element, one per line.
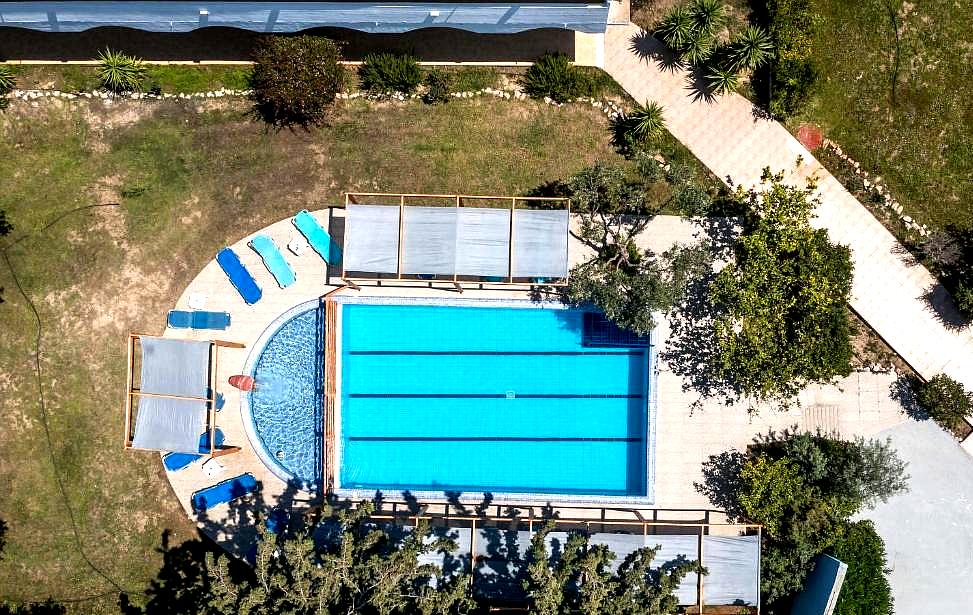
<point>464,241</point>
<point>180,369</point>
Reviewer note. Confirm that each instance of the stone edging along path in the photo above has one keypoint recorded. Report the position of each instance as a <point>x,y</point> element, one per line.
<point>896,296</point>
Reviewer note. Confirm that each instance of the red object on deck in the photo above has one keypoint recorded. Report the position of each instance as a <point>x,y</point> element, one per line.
<point>242,382</point>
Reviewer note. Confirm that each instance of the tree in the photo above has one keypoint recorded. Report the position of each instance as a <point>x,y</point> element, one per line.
<point>119,72</point>
<point>296,80</point>
<point>625,281</point>
<point>802,488</point>
<point>946,401</point>
<point>580,579</point>
<point>866,589</point>
<point>351,566</point>
<point>781,305</point>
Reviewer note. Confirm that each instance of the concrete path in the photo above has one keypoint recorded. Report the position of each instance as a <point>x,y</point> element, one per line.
<point>890,291</point>
<point>927,532</point>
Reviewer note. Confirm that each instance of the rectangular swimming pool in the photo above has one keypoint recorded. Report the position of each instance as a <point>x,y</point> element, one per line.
<point>470,397</point>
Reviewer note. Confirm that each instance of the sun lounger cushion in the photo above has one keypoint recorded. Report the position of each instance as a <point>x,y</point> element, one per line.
<point>178,461</point>
<point>198,319</point>
<point>317,237</point>
<point>239,276</point>
<point>273,260</point>
<point>224,492</point>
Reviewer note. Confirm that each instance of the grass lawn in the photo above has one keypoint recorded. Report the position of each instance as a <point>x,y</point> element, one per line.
<point>901,105</point>
<point>188,182</point>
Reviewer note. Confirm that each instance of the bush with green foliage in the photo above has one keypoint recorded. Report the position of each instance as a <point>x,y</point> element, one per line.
<point>866,589</point>
<point>781,305</point>
<point>296,79</point>
<point>388,73</point>
<point>581,580</point>
<point>793,74</point>
<point>691,30</point>
<point>554,76</point>
<point>722,80</point>
<point>631,131</point>
<point>474,78</point>
<point>118,72</point>
<point>802,488</point>
<point>751,49</point>
<point>438,90</point>
<point>946,401</point>
<point>625,281</point>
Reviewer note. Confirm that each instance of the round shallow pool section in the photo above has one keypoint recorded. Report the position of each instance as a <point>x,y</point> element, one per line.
<point>285,407</point>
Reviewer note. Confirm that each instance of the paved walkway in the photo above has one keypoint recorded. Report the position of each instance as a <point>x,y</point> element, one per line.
<point>927,531</point>
<point>889,291</point>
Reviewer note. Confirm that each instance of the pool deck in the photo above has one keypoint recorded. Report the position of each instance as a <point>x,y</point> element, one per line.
<point>684,437</point>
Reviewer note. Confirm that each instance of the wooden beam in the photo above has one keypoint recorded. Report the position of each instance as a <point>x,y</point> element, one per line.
<point>165,396</point>
<point>130,384</point>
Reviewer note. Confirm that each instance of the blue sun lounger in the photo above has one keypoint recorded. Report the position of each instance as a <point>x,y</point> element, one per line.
<point>239,276</point>
<point>178,461</point>
<point>273,260</point>
<point>224,492</point>
<point>197,319</point>
<point>317,237</point>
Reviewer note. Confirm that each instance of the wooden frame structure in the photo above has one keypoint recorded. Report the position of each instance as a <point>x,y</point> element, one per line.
<point>454,200</point>
<point>604,524</point>
<point>133,393</point>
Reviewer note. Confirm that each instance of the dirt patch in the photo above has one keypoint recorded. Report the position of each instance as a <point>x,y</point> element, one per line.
<point>869,351</point>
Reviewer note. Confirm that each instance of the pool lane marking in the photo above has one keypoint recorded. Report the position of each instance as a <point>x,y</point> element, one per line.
<point>496,396</point>
<point>437,353</point>
<point>483,439</point>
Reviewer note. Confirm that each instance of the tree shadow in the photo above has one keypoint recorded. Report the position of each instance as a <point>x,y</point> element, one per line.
<point>942,306</point>
<point>649,48</point>
<point>692,351</point>
<point>721,481</point>
<point>903,391</point>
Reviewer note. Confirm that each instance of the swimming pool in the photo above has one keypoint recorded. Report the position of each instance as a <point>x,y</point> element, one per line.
<point>480,396</point>
<point>283,414</point>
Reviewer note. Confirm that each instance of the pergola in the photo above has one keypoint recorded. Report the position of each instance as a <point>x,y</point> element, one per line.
<point>456,238</point>
<point>173,403</point>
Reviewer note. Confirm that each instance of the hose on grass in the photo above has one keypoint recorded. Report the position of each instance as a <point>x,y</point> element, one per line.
<point>41,401</point>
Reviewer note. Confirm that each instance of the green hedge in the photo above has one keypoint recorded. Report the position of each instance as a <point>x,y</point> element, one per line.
<point>385,73</point>
<point>866,588</point>
<point>793,75</point>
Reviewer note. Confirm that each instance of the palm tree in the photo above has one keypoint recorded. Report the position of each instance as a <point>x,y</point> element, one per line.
<point>646,121</point>
<point>676,28</point>
<point>751,49</point>
<point>722,80</point>
<point>708,16</point>
<point>7,82</point>
<point>119,72</point>
<point>698,49</point>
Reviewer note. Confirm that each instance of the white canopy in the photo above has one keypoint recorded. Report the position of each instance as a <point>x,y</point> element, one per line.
<point>456,241</point>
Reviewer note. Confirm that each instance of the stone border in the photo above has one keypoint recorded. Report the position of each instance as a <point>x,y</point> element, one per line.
<point>609,107</point>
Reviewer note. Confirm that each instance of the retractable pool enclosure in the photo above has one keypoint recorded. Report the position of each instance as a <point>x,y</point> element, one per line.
<point>456,238</point>
<point>172,404</point>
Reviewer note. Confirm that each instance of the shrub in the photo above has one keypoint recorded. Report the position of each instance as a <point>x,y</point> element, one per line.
<point>964,300</point>
<point>794,74</point>
<point>946,401</point>
<point>438,82</point>
<point>708,16</point>
<point>692,200</point>
<point>722,80</point>
<point>554,76</point>
<point>866,589</point>
<point>752,49</point>
<point>676,28</point>
<point>385,73</point>
<point>643,123</point>
<point>119,73</point>
<point>296,80</point>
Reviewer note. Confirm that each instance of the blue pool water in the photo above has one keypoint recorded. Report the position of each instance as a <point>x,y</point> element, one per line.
<point>488,399</point>
<point>285,406</point>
